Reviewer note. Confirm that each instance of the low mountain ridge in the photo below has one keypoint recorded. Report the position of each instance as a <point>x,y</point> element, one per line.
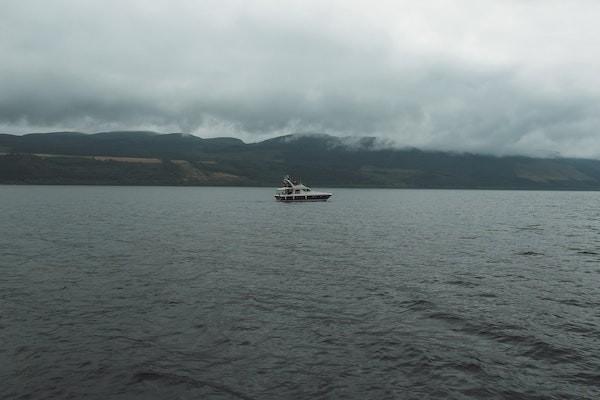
<point>149,158</point>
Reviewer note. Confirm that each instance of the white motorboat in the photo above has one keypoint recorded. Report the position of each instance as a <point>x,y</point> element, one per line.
<point>294,190</point>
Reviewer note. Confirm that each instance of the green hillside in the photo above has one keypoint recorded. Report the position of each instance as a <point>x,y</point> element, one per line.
<point>147,158</point>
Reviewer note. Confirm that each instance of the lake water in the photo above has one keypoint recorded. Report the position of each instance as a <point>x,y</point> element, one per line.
<point>223,293</point>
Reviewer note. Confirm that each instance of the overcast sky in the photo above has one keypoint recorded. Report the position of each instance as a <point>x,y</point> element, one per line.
<point>496,76</point>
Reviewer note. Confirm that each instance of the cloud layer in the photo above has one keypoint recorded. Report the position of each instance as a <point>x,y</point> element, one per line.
<point>498,77</point>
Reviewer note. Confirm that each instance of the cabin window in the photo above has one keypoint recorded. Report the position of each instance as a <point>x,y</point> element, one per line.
<point>297,190</point>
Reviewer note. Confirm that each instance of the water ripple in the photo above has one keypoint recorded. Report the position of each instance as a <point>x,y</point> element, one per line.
<point>156,293</point>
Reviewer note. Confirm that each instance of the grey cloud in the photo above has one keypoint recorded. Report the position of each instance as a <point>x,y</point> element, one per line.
<point>254,71</point>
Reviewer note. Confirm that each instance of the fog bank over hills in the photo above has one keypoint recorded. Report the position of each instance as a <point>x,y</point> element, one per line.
<point>148,158</point>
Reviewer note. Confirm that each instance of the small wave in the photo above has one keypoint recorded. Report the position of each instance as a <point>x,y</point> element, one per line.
<point>578,328</point>
<point>479,393</point>
<point>470,367</point>
<point>532,227</point>
<point>418,305</point>
<point>538,349</point>
<point>173,379</point>
<point>530,346</point>
<point>529,253</point>
<point>487,295</point>
<point>571,302</point>
<point>462,283</point>
<point>579,250</point>
<point>21,349</point>
<point>588,252</point>
<point>514,394</point>
<point>587,378</point>
<point>541,350</point>
<point>443,316</point>
<point>123,337</point>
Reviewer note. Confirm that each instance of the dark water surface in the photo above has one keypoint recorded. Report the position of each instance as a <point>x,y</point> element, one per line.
<point>222,293</point>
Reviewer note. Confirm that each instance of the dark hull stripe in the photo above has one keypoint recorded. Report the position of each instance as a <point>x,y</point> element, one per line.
<point>321,198</point>
<point>301,201</point>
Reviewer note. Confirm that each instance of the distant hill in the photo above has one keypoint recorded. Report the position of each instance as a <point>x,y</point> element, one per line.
<point>148,158</point>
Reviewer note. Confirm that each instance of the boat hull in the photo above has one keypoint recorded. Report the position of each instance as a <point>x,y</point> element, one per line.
<point>303,199</point>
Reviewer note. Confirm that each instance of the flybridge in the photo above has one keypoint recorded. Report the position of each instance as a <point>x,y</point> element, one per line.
<point>294,190</point>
